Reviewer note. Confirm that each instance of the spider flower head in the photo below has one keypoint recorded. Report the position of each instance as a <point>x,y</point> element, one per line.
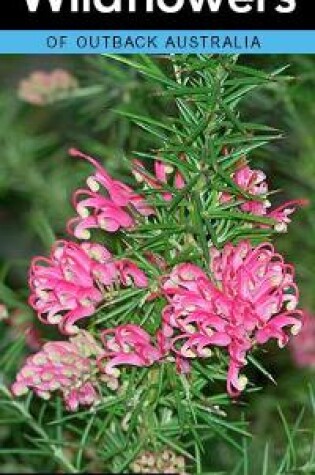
<point>106,203</point>
<point>74,280</point>
<point>254,184</point>
<point>282,214</point>
<point>67,367</point>
<point>129,345</point>
<point>250,298</point>
<point>42,88</point>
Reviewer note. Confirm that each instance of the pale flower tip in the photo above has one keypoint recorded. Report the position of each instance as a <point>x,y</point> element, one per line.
<point>190,328</point>
<point>92,184</point>
<point>138,177</point>
<point>54,319</point>
<point>44,395</point>
<point>281,228</point>
<point>186,353</point>
<point>291,305</point>
<point>242,383</point>
<point>114,372</point>
<point>39,359</point>
<point>82,234</point>
<point>74,152</point>
<point>295,329</point>
<point>169,169</point>
<point>4,314</point>
<point>206,353</point>
<point>82,211</point>
<point>71,329</point>
<point>281,344</point>
<point>18,389</point>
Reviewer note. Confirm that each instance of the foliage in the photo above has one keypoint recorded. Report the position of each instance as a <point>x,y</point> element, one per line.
<point>194,110</point>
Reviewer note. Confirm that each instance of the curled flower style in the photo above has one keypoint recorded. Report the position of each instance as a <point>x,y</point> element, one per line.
<point>129,345</point>
<point>130,274</point>
<point>303,345</point>
<point>250,298</point>
<point>282,214</point>
<point>162,173</point>
<point>42,88</point>
<point>253,182</point>
<point>66,367</point>
<point>74,280</point>
<point>106,204</point>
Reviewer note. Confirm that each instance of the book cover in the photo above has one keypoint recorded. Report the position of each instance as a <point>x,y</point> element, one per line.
<point>157,181</point>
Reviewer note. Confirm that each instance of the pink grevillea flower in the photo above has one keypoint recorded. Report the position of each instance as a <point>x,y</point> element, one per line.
<point>107,203</point>
<point>129,345</point>
<point>282,214</point>
<point>42,88</point>
<point>253,182</point>
<point>66,367</point>
<point>164,174</point>
<point>74,280</point>
<point>250,298</point>
<point>303,345</point>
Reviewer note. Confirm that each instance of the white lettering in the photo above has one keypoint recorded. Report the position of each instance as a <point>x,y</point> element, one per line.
<point>241,6</point>
<point>288,7</point>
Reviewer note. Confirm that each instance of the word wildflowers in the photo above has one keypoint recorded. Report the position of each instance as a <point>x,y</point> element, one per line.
<point>244,297</point>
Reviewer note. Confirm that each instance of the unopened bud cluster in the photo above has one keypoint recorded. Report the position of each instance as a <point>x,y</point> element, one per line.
<point>165,461</point>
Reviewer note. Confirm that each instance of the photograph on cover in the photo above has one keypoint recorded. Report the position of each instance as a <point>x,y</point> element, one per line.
<point>157,234</point>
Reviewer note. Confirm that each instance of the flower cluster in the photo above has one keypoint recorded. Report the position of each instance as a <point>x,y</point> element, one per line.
<point>246,297</point>
<point>42,88</point>
<point>253,198</point>
<point>130,345</point>
<point>250,299</point>
<point>303,345</point>
<point>66,367</point>
<point>76,278</point>
<point>106,203</point>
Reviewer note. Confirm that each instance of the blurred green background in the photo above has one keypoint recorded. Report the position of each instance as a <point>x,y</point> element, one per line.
<point>37,178</point>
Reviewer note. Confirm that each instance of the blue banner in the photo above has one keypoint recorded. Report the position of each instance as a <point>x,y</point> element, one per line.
<point>156,42</point>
